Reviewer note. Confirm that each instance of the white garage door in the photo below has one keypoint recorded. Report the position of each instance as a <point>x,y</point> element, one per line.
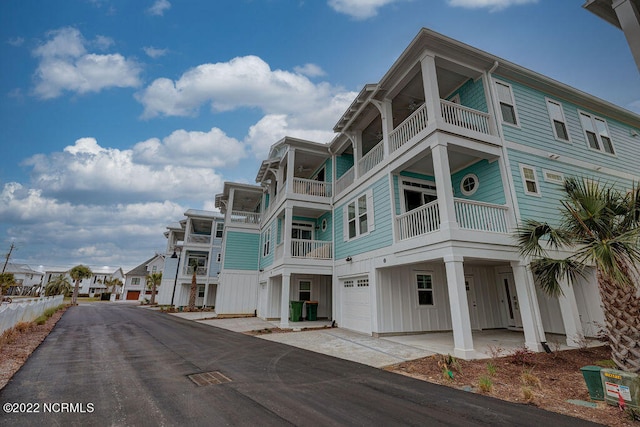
<point>356,304</point>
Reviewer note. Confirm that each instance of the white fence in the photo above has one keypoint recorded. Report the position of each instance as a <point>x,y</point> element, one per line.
<point>16,312</point>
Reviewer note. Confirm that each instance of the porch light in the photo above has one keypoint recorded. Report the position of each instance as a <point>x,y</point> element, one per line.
<point>349,259</point>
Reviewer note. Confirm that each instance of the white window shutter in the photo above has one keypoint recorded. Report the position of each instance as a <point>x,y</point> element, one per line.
<point>345,222</point>
<point>370,212</point>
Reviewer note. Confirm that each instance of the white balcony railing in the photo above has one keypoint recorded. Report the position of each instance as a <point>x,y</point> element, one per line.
<point>199,239</point>
<point>480,216</point>
<point>372,158</point>
<point>311,187</point>
<point>409,128</point>
<point>470,215</point>
<point>200,271</point>
<point>465,117</point>
<point>314,249</point>
<point>419,221</point>
<point>345,180</point>
<point>245,217</point>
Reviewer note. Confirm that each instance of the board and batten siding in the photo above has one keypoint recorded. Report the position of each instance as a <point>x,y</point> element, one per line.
<point>237,292</point>
<point>535,130</point>
<point>382,233</point>
<point>241,251</point>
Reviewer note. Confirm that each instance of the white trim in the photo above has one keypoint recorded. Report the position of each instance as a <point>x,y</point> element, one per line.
<point>369,212</point>
<point>524,180</point>
<point>324,224</point>
<point>426,290</point>
<point>512,104</point>
<point>562,119</point>
<point>593,118</point>
<point>421,188</point>
<point>546,173</point>
<point>475,187</point>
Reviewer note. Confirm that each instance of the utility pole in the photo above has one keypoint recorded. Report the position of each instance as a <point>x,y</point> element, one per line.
<point>6,261</point>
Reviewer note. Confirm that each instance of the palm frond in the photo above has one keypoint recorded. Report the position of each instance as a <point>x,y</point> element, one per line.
<point>530,234</point>
<point>550,272</point>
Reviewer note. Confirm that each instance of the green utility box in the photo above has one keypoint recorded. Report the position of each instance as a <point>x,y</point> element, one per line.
<point>295,310</point>
<point>591,376</point>
<point>312,310</point>
<point>620,385</point>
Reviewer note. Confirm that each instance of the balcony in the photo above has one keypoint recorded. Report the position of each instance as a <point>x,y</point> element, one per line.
<point>345,180</point>
<point>311,249</point>
<point>470,215</point>
<point>372,158</point>
<point>199,239</point>
<point>245,217</point>
<point>310,187</point>
<point>200,271</point>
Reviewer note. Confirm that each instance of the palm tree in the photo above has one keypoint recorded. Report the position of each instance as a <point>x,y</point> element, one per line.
<point>600,226</point>
<point>6,281</point>
<point>78,273</point>
<point>111,283</point>
<point>153,281</point>
<point>59,285</point>
<point>194,286</point>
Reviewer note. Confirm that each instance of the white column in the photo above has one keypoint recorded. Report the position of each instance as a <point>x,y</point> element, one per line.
<point>285,297</point>
<point>444,187</point>
<point>460,320</point>
<point>431,91</point>
<point>386,117</point>
<point>206,293</point>
<point>291,165</point>
<point>232,193</point>
<point>529,309</point>
<point>286,231</point>
<point>629,17</point>
<point>570,315</point>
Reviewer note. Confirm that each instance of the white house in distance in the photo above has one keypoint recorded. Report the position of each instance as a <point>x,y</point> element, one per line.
<point>402,224</point>
<point>28,281</point>
<point>93,285</point>
<point>135,284</point>
<point>193,246</point>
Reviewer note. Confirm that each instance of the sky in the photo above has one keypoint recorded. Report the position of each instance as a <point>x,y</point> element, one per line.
<point>117,116</point>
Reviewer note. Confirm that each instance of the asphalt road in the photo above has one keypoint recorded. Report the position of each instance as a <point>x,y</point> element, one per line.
<point>121,365</point>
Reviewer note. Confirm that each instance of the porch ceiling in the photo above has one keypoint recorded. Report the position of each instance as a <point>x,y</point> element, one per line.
<point>459,158</point>
<point>246,201</point>
<point>307,163</point>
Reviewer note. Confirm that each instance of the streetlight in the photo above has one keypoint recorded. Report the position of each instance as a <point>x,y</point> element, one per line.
<point>175,280</point>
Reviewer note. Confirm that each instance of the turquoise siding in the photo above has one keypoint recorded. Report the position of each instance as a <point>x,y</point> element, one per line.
<point>548,207</point>
<point>472,95</point>
<point>490,189</point>
<point>536,131</point>
<point>381,236</point>
<point>343,164</point>
<point>328,172</point>
<point>241,251</point>
<point>326,235</point>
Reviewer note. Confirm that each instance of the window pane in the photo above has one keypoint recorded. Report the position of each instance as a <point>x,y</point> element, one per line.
<point>528,174</point>
<point>602,127</point>
<point>352,228</point>
<point>608,146</point>
<point>586,122</point>
<point>593,140</point>
<point>362,204</point>
<point>351,211</point>
<point>531,187</point>
<point>508,113</point>
<point>504,93</point>
<point>425,297</point>
<point>561,130</point>
<point>555,111</point>
<point>363,224</point>
<point>305,286</point>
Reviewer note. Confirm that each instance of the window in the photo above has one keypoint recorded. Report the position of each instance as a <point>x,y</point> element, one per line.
<point>362,283</point>
<point>219,258</point>
<point>530,180</point>
<point>348,284</point>
<point>425,289</point>
<point>507,103</point>
<point>358,216</point>
<point>198,262</point>
<point>301,230</point>
<point>200,291</point>
<point>597,133</point>
<point>266,242</point>
<point>154,269</point>
<point>417,193</point>
<point>558,122</point>
<point>324,224</point>
<point>305,290</point>
<point>469,184</point>
<point>219,229</point>
<point>553,177</point>
<point>135,281</point>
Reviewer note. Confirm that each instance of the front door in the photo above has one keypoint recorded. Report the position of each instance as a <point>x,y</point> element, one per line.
<point>471,300</point>
<point>512,306</point>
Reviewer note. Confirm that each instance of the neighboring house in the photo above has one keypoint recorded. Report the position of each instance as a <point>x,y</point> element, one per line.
<point>624,14</point>
<point>135,283</point>
<point>28,281</point>
<point>193,245</point>
<point>95,284</point>
<point>403,223</point>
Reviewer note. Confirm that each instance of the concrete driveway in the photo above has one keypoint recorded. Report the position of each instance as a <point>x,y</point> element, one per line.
<point>118,365</point>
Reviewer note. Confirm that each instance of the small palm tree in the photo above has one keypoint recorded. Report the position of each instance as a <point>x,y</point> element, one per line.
<point>6,281</point>
<point>600,226</point>
<point>78,273</point>
<point>111,283</point>
<point>59,285</point>
<point>194,286</point>
<point>153,281</point>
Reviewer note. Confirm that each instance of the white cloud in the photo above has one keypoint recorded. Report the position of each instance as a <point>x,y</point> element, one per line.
<point>211,149</point>
<point>65,65</point>
<point>493,5</point>
<point>152,52</point>
<point>310,70</point>
<point>87,172</point>
<point>103,42</point>
<point>360,9</point>
<point>16,41</point>
<point>159,7</point>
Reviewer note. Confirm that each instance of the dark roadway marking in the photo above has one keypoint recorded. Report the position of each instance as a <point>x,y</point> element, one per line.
<point>134,364</point>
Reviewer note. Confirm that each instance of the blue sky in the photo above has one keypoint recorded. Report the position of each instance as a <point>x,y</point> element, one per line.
<point>117,116</point>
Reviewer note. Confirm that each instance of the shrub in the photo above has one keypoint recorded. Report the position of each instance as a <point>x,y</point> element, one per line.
<point>527,393</point>
<point>491,368</point>
<point>530,380</point>
<point>485,384</point>
<point>521,356</point>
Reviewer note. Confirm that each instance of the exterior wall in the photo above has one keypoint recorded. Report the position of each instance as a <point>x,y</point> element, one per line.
<point>320,291</point>
<point>381,236</point>
<point>490,188</point>
<point>241,251</point>
<point>343,164</point>
<point>237,292</point>
<point>267,260</point>
<point>471,95</point>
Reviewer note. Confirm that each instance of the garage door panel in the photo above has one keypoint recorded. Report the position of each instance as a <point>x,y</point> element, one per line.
<point>356,304</point>
<point>133,295</point>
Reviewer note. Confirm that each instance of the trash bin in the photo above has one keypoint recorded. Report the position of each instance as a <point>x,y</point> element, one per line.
<point>312,310</point>
<point>591,376</point>
<point>295,310</point>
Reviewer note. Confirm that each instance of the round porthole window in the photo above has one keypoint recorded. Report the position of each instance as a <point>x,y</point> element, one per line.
<point>324,224</point>
<point>469,184</point>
